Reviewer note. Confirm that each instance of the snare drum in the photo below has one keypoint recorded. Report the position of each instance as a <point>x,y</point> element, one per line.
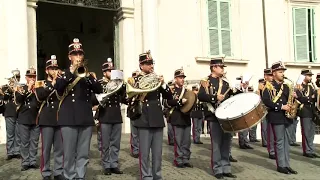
<point>240,112</point>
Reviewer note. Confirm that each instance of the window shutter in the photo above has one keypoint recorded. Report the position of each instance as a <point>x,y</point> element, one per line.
<point>300,33</point>
<point>225,28</point>
<point>213,27</point>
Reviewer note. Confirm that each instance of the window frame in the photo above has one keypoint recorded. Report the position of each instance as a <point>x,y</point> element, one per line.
<point>290,37</point>
<point>219,28</point>
<point>313,30</point>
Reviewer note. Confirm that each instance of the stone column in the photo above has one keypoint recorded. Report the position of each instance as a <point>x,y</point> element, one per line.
<point>150,28</point>
<point>127,56</point>
<point>32,32</point>
<point>14,43</point>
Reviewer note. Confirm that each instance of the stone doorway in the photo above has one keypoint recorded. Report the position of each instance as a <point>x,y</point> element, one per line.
<point>92,21</point>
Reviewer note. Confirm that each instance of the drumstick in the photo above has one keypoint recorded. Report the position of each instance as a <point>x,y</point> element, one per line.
<point>227,91</point>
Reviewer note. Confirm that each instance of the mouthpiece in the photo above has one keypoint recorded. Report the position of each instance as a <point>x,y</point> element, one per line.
<point>285,77</point>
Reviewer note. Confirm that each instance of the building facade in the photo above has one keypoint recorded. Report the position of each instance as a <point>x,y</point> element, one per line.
<point>252,34</point>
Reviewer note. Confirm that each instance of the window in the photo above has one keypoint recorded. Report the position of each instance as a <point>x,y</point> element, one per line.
<point>219,27</point>
<point>304,35</point>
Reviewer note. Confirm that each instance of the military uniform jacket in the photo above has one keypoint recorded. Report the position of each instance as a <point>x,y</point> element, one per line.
<point>1,104</point>
<point>111,114</point>
<point>197,111</point>
<point>214,84</point>
<point>10,108</point>
<point>152,114</point>
<point>307,101</point>
<point>176,117</point>
<point>28,106</point>
<point>76,108</point>
<point>275,114</point>
<point>48,97</point>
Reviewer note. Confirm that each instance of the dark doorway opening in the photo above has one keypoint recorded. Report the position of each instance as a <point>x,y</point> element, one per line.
<point>58,24</point>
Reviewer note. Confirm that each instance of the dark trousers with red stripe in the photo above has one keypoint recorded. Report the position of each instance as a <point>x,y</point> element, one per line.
<point>282,146</point>
<point>221,144</point>
<point>51,136</point>
<point>292,131</point>
<point>182,144</point>
<point>270,139</point>
<point>13,137</point>
<point>170,133</point>
<point>134,140</point>
<point>29,135</point>
<point>308,132</point>
<point>196,129</point>
<point>264,132</point>
<point>150,138</point>
<point>110,141</point>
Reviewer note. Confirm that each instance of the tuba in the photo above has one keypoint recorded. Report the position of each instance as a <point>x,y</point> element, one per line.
<point>292,102</point>
<point>109,89</point>
<point>145,83</point>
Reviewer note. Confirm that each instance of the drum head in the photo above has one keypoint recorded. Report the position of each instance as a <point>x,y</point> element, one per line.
<point>237,106</point>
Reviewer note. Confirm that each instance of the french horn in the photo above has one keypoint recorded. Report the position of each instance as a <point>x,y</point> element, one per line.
<point>109,89</point>
<point>145,84</point>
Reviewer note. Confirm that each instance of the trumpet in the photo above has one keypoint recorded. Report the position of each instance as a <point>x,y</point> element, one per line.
<point>81,69</point>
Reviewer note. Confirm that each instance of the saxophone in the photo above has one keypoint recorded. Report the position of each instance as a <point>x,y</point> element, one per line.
<point>292,102</point>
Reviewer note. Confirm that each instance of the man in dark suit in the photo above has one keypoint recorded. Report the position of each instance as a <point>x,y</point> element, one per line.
<point>307,97</point>
<point>181,122</point>
<point>9,109</point>
<point>110,119</point>
<point>275,96</point>
<point>197,118</point>
<point>28,106</point>
<point>75,113</point>
<point>134,140</point>
<point>47,120</point>
<point>148,117</point>
<point>212,92</point>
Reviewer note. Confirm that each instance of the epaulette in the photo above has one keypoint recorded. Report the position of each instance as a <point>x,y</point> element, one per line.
<point>100,80</point>
<point>205,81</point>
<point>171,87</point>
<point>268,86</point>
<point>131,81</point>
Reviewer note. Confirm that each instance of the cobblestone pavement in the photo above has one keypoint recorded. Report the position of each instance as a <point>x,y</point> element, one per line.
<point>253,164</point>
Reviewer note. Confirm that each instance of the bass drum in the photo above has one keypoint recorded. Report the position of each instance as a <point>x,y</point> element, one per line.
<point>240,112</point>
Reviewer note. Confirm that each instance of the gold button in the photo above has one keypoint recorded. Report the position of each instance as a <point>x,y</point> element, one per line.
<point>52,106</point>
<point>73,100</point>
<point>71,89</point>
<point>72,94</point>
<point>147,104</point>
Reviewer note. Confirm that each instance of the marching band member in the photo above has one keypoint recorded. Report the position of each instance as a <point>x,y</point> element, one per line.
<point>47,120</point>
<point>10,115</point>
<point>214,89</point>
<point>110,121</point>
<point>266,130</point>
<point>276,97</point>
<point>307,96</point>
<point>181,122</point>
<point>243,135</point>
<point>27,113</point>
<point>253,130</point>
<point>134,140</point>
<point>197,118</point>
<point>75,113</point>
<point>150,121</point>
<point>166,110</point>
